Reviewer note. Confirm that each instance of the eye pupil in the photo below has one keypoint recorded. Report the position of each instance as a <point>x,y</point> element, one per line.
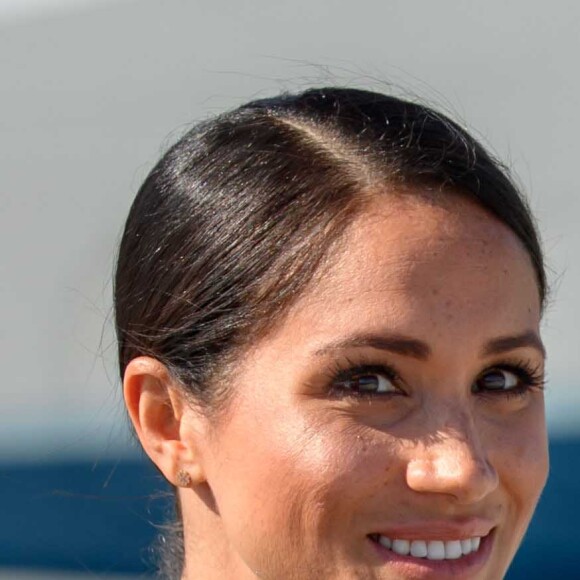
<point>494,380</point>
<point>367,383</point>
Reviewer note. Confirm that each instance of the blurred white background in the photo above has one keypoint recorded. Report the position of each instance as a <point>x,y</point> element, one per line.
<point>92,92</point>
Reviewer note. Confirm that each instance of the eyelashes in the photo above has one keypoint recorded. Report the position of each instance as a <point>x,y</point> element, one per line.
<point>365,380</point>
<point>509,379</point>
<point>502,381</point>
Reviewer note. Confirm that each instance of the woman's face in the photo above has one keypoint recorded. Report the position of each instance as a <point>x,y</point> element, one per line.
<point>396,411</point>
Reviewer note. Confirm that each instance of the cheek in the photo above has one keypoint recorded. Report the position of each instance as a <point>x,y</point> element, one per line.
<point>520,453</point>
<point>304,485</point>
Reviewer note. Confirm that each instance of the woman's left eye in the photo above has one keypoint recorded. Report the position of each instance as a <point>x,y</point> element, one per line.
<point>509,380</point>
<point>497,380</point>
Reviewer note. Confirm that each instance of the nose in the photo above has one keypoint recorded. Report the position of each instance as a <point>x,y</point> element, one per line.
<point>452,460</point>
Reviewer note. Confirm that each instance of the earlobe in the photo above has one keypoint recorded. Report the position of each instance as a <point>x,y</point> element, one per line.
<point>167,427</point>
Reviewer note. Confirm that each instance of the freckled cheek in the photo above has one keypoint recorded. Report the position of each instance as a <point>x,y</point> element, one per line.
<point>275,496</point>
<point>304,484</point>
<point>520,455</point>
<point>348,476</point>
<point>332,478</point>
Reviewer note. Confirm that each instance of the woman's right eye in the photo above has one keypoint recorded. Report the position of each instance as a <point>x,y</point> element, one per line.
<point>366,381</point>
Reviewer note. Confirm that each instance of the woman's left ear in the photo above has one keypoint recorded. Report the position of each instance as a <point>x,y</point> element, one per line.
<point>169,428</point>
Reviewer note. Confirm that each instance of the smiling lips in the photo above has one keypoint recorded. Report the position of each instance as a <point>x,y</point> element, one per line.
<point>430,549</point>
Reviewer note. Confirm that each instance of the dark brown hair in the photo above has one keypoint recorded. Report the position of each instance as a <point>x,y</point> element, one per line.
<point>233,222</point>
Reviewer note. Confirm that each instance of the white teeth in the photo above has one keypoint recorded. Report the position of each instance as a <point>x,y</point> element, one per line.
<point>419,548</point>
<point>433,549</point>
<point>401,547</point>
<point>453,550</point>
<point>436,550</point>
<point>466,547</point>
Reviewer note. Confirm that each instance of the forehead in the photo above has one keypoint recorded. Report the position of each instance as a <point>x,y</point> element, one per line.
<point>407,256</point>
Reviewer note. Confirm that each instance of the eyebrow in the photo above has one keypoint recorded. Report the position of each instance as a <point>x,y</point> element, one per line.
<point>396,343</point>
<point>420,350</point>
<point>528,339</point>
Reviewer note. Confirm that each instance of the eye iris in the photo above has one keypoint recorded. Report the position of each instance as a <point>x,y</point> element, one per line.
<point>366,383</point>
<point>496,381</point>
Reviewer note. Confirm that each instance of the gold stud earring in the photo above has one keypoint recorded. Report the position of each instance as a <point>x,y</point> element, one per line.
<point>183,478</point>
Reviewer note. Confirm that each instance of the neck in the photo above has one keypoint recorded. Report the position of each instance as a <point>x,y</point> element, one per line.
<point>208,552</point>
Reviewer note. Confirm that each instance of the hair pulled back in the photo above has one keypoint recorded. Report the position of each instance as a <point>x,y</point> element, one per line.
<point>235,219</point>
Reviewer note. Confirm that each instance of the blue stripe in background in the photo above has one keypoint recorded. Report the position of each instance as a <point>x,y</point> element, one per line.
<point>100,517</point>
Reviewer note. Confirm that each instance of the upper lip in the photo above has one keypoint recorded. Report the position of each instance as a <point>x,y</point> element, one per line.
<point>438,529</point>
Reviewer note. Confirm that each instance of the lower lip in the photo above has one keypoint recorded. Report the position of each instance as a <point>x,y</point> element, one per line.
<point>462,568</point>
